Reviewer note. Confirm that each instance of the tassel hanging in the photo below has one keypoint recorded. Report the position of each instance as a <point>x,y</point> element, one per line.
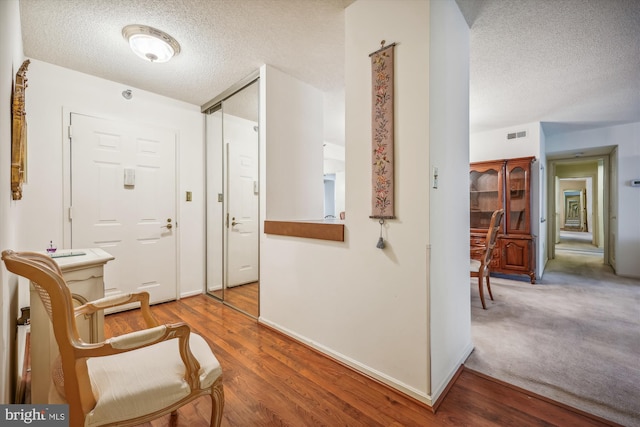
<point>380,244</point>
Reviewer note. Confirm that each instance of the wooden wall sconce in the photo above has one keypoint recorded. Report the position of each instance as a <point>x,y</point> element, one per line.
<point>18,133</point>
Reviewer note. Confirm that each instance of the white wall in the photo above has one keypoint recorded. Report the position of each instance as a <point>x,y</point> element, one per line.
<point>493,144</point>
<point>600,203</point>
<point>334,164</point>
<point>11,57</point>
<point>540,193</point>
<point>450,315</point>
<point>292,124</point>
<point>51,91</point>
<point>626,138</point>
<point>327,294</point>
<point>341,187</point>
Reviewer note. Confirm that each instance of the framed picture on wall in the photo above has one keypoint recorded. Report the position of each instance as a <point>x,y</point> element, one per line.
<point>18,133</point>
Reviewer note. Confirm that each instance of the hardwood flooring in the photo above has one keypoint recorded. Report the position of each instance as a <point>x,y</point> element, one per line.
<point>272,380</point>
<point>244,297</point>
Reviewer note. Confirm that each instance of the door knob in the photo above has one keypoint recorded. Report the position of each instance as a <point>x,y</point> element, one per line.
<point>168,226</point>
<point>234,222</point>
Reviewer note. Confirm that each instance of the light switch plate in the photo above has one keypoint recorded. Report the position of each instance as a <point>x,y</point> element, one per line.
<point>129,176</point>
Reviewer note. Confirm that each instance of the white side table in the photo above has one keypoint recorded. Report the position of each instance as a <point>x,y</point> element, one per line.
<point>84,274</point>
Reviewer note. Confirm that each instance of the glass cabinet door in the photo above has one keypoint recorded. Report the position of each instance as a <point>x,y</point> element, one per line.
<point>485,192</point>
<point>517,200</point>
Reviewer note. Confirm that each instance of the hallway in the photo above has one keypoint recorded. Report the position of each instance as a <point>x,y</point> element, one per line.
<point>573,337</point>
<point>577,242</point>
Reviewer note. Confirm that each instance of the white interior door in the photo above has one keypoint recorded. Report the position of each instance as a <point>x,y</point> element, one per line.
<point>241,141</point>
<point>123,201</point>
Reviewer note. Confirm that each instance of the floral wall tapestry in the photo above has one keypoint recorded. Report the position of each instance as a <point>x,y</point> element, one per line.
<point>382,132</point>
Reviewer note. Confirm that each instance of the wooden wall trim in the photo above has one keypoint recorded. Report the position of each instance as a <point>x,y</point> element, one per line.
<point>548,400</point>
<point>311,230</point>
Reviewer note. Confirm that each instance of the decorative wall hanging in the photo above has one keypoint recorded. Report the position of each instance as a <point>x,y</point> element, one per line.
<point>18,133</point>
<point>380,244</point>
<point>382,205</point>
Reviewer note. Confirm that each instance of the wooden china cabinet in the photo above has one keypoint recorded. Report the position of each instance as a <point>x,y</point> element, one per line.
<point>504,184</point>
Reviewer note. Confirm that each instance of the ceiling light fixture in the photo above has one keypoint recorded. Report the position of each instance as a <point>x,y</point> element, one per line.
<point>150,43</point>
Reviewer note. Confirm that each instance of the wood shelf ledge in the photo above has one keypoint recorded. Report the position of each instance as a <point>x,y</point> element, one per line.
<point>323,230</point>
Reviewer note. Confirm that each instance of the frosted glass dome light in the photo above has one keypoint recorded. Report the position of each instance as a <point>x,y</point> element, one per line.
<point>150,43</point>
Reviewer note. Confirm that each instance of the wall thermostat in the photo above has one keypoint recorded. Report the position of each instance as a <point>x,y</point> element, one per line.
<point>635,182</point>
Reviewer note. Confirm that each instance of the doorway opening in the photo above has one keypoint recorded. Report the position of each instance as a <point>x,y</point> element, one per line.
<point>581,195</point>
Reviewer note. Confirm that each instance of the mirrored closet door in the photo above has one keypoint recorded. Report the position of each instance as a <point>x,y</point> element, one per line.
<point>232,189</point>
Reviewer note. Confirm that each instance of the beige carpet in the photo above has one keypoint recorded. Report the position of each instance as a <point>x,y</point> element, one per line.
<point>573,337</point>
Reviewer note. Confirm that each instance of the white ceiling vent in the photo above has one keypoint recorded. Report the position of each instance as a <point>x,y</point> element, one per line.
<point>519,134</point>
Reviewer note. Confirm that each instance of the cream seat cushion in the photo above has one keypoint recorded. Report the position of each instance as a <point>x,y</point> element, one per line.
<point>474,265</point>
<point>122,393</point>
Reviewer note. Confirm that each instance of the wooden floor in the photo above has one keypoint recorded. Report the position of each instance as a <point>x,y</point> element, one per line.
<point>271,380</point>
<point>244,297</point>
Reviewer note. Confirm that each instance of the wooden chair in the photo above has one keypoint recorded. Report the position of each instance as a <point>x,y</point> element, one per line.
<point>128,379</point>
<point>480,268</point>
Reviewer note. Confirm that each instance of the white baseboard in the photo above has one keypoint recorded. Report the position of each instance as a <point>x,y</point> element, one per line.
<point>437,391</point>
<point>366,370</point>
<point>191,294</point>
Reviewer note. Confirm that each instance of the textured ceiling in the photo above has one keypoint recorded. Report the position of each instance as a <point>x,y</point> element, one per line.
<point>568,63</point>
<point>571,64</point>
<point>221,41</point>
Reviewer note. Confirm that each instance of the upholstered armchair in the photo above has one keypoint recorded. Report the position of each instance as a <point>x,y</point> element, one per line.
<point>128,379</point>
